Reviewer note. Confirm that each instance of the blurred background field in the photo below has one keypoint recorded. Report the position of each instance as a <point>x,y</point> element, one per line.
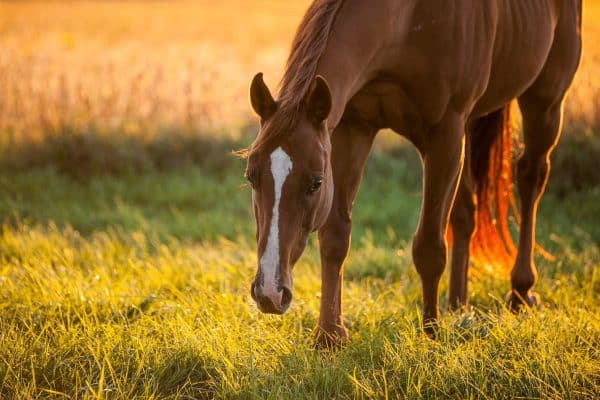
<point>126,247</point>
<point>104,87</point>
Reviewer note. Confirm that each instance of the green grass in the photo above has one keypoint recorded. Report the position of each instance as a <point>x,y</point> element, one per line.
<point>136,285</point>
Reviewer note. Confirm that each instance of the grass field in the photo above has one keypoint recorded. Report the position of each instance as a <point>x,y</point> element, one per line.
<point>126,242</point>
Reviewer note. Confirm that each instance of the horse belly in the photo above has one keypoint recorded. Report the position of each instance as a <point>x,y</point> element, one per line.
<point>519,55</point>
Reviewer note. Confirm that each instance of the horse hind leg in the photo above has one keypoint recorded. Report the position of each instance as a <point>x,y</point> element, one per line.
<point>541,130</point>
<point>462,220</point>
<point>541,107</point>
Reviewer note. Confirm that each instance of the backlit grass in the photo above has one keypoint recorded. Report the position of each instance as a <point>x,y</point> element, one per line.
<point>131,293</point>
<point>123,317</point>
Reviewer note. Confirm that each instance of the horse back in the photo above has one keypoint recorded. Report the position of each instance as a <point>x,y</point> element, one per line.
<point>472,56</point>
<point>482,54</point>
<point>536,40</point>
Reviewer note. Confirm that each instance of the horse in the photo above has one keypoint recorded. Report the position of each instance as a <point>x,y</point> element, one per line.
<point>441,73</point>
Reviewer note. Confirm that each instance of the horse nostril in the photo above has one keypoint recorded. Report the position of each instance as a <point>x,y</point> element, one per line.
<point>253,291</point>
<point>286,298</point>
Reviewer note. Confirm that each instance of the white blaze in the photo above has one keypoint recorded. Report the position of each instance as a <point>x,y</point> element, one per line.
<point>281,166</point>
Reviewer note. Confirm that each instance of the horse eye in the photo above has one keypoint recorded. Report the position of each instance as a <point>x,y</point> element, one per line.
<point>315,184</point>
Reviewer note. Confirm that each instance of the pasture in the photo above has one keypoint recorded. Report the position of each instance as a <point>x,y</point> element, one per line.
<point>127,237</point>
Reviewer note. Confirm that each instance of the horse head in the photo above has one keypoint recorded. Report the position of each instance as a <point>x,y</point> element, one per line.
<point>289,169</point>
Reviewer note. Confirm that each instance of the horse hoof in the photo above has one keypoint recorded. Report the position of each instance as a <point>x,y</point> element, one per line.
<point>516,302</point>
<point>430,328</point>
<point>331,338</point>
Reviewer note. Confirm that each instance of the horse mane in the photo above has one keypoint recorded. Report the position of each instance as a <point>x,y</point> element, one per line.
<point>308,45</point>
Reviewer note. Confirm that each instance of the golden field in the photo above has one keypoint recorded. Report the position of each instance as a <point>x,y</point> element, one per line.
<point>138,65</point>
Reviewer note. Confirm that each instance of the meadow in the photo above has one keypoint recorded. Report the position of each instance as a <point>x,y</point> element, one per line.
<point>127,239</point>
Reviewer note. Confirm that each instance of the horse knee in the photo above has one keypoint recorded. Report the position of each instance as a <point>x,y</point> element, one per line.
<point>334,241</point>
<point>429,255</point>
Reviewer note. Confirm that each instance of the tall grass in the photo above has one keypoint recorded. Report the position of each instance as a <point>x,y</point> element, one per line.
<point>135,67</point>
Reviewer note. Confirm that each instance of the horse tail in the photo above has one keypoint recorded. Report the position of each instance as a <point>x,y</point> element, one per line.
<point>492,142</point>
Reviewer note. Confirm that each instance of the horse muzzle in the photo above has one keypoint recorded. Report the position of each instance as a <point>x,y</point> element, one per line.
<point>271,300</point>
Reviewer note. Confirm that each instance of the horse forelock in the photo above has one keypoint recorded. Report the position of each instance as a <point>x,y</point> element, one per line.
<point>308,46</point>
<point>274,130</point>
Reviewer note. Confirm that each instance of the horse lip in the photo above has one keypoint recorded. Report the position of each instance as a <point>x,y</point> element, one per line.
<point>266,306</point>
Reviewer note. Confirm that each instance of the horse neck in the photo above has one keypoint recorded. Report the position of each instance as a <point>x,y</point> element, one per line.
<point>347,62</point>
<point>356,48</point>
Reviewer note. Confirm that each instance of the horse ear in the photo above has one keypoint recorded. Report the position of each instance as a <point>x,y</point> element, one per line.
<point>319,100</point>
<point>260,97</point>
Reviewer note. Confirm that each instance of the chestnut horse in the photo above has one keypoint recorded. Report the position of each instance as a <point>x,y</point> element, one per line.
<point>441,73</point>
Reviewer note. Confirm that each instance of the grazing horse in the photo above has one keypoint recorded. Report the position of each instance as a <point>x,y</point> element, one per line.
<point>441,73</point>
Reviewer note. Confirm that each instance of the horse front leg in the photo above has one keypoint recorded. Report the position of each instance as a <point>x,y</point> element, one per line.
<point>351,144</point>
<point>442,154</point>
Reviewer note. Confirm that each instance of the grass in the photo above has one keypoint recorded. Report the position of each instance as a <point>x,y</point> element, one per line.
<point>138,288</point>
<point>126,234</point>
